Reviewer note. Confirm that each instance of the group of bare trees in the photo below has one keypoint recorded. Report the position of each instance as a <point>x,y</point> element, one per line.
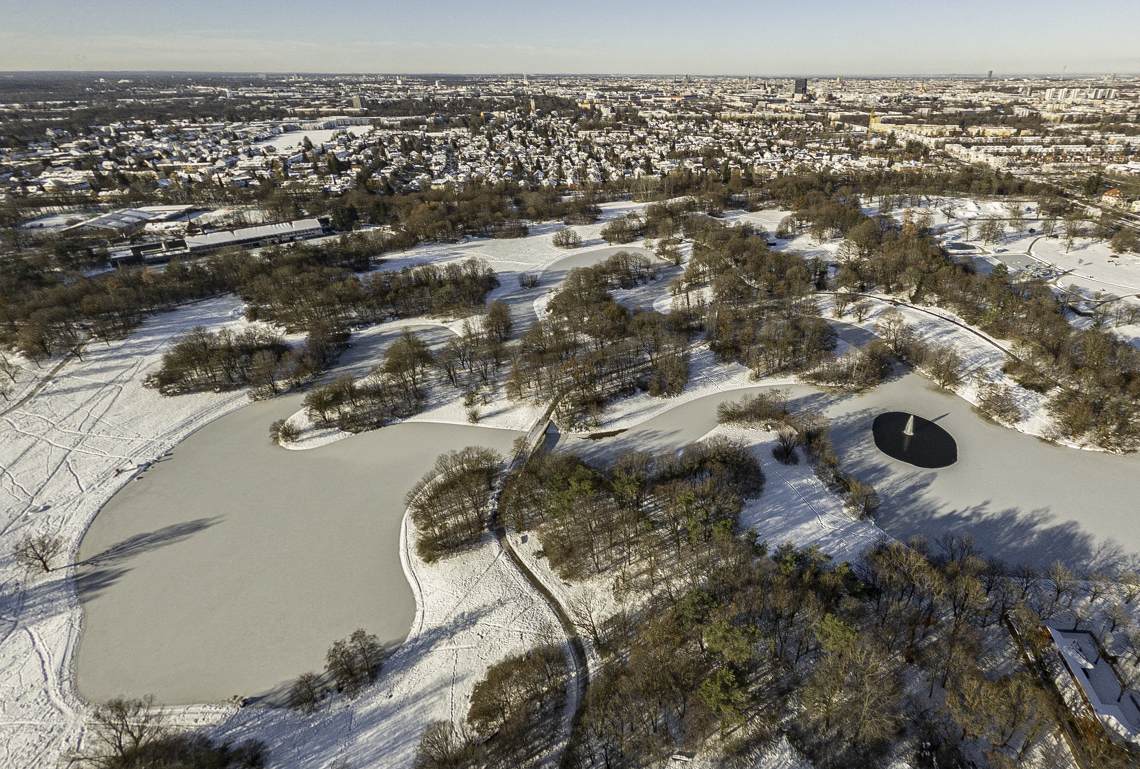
<point>398,386</point>
<point>509,722</point>
<point>941,363</point>
<point>623,229</point>
<point>636,512</point>
<point>450,504</point>
<point>135,734</point>
<point>860,368</point>
<point>350,665</point>
<point>567,238</point>
<point>589,348</point>
<point>762,311</point>
<point>297,293</point>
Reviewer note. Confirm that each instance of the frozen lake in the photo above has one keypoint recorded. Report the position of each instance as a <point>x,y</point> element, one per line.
<point>1022,498</point>
<point>233,564</point>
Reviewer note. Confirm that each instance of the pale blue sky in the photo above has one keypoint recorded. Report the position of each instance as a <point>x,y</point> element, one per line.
<point>670,37</point>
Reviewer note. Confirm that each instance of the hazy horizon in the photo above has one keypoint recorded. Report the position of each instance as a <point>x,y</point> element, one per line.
<point>888,38</point>
<point>1069,75</point>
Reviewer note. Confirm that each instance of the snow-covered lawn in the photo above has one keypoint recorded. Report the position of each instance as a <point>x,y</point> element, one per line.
<point>62,455</point>
<point>293,139</point>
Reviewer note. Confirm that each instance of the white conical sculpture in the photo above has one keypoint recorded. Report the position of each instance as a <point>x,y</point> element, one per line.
<point>909,429</point>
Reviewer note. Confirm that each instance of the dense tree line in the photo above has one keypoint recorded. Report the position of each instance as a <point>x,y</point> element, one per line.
<point>255,357</point>
<point>636,512</point>
<point>296,293</point>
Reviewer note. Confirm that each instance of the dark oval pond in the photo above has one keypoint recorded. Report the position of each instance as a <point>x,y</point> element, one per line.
<point>930,446</point>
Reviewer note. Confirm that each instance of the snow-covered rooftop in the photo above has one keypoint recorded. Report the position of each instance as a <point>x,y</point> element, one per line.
<point>1112,703</point>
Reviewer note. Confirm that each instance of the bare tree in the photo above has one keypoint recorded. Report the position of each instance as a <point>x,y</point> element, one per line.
<point>1130,583</point>
<point>282,431</point>
<point>1073,224</point>
<point>1016,217</point>
<point>355,662</point>
<point>306,692</point>
<point>991,230</point>
<point>945,366</point>
<point>785,450</point>
<point>123,728</point>
<point>37,551</point>
<point>9,368</point>
<point>842,302</point>
<point>584,614</point>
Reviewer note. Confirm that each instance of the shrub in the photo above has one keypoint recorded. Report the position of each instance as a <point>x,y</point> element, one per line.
<point>763,409</point>
<point>567,238</point>
<point>861,498</point>
<point>785,450</point>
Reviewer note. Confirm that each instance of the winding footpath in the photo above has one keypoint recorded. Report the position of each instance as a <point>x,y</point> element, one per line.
<point>580,675</point>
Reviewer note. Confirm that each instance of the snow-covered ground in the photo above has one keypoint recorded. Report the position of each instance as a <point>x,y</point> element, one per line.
<point>55,222</point>
<point>472,611</point>
<point>81,438</point>
<point>293,139</point>
<point>62,455</point>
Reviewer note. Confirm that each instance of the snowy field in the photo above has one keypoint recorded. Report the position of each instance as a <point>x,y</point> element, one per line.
<point>56,222</point>
<point>62,455</point>
<point>292,139</point>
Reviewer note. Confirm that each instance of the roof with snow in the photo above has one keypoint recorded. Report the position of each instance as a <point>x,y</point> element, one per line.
<point>1116,707</point>
<point>280,232</point>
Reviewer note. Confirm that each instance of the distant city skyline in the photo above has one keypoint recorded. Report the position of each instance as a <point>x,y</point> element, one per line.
<point>816,37</point>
